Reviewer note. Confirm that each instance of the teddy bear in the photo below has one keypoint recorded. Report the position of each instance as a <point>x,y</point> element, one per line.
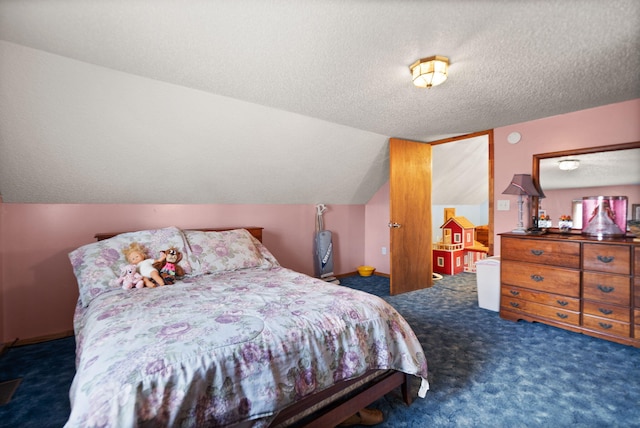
<point>168,265</point>
<point>129,277</point>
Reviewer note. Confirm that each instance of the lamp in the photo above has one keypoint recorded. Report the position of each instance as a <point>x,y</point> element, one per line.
<point>569,164</point>
<point>431,71</point>
<point>521,185</point>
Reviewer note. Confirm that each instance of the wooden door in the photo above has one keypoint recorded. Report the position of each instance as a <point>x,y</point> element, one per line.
<point>410,222</point>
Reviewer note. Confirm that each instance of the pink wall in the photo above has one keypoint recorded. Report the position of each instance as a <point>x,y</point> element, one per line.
<point>1,274</point>
<point>600,126</point>
<point>607,125</point>
<point>377,231</point>
<point>39,291</point>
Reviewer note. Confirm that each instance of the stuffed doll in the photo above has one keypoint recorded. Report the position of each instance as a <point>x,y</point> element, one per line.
<point>168,265</point>
<point>129,277</point>
<point>137,254</point>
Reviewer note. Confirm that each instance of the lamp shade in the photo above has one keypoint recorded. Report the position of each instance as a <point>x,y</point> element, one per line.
<point>521,184</point>
<point>431,71</point>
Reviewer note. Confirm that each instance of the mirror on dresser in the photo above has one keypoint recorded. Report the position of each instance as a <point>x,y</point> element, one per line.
<point>566,177</point>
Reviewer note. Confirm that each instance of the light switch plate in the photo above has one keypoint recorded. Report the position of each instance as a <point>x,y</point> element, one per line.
<point>503,204</point>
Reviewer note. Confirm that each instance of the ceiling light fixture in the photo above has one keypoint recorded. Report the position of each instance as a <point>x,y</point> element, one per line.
<point>569,164</point>
<point>431,71</point>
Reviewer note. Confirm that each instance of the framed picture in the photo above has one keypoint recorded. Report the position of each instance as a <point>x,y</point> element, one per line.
<point>635,212</point>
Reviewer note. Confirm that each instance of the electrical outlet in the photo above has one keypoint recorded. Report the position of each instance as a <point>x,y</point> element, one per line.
<point>384,251</point>
<point>503,204</point>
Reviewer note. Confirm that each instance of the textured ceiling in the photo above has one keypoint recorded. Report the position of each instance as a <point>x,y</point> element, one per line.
<point>344,63</point>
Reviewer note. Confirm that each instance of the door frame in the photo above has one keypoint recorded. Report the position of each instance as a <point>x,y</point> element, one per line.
<point>489,134</point>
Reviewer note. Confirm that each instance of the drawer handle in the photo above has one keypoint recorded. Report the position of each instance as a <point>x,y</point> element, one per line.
<point>605,326</point>
<point>605,288</point>
<point>605,311</point>
<point>514,293</point>
<point>606,259</point>
<point>563,316</point>
<point>537,278</point>
<point>537,252</point>
<point>562,302</point>
<point>515,304</point>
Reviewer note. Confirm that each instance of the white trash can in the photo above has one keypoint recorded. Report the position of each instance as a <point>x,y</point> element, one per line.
<point>488,281</point>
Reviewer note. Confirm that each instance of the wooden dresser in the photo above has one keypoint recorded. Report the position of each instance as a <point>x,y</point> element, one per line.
<point>573,282</point>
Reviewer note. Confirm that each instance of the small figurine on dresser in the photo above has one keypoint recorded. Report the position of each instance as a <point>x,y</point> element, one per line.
<point>544,222</point>
<point>137,254</point>
<point>603,218</point>
<point>565,224</point>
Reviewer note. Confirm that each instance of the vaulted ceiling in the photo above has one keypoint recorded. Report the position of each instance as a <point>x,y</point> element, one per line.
<point>254,101</point>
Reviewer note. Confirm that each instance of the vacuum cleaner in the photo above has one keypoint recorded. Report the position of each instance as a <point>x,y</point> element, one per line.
<point>323,257</point>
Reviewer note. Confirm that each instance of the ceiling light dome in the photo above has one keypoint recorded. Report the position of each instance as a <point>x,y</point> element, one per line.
<point>431,71</point>
<point>569,164</point>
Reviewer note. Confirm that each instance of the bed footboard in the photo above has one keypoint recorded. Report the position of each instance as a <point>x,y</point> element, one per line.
<point>330,407</point>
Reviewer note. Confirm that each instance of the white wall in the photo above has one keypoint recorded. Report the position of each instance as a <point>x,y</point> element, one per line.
<point>89,134</point>
<point>476,214</point>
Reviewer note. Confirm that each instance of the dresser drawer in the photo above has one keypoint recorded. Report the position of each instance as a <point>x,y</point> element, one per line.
<point>602,287</point>
<point>561,302</point>
<point>605,310</point>
<point>607,258</point>
<point>539,310</point>
<point>566,254</point>
<point>541,278</point>
<point>606,325</point>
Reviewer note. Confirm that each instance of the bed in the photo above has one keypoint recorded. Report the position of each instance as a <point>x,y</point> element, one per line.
<point>238,341</point>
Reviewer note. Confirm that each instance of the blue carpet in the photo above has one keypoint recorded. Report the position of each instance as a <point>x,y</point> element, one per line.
<point>483,371</point>
<point>488,372</point>
<point>42,399</point>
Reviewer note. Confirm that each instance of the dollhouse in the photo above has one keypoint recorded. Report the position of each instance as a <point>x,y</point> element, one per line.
<point>458,251</point>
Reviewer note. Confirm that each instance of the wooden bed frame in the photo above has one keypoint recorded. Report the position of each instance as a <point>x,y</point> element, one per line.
<point>333,405</point>
<point>255,231</point>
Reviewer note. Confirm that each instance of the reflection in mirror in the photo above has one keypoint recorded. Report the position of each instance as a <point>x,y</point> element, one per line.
<point>613,168</point>
<point>595,171</point>
<point>576,213</point>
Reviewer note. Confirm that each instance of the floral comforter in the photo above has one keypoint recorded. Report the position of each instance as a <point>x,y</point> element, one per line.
<point>228,348</point>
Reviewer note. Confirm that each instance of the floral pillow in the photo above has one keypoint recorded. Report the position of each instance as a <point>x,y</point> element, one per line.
<point>268,259</point>
<point>97,265</point>
<point>227,250</point>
